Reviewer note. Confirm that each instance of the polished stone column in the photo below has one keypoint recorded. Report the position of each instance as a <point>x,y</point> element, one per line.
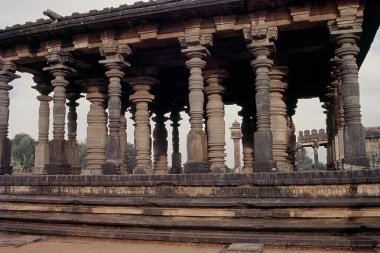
<point>260,39</point>
<point>278,118</point>
<point>42,146</point>
<point>114,63</point>
<point>247,130</point>
<point>96,127</point>
<point>196,138</point>
<point>215,120</point>
<point>72,150</point>
<point>7,74</point>
<point>160,144</point>
<point>141,99</point>
<point>123,138</point>
<point>236,137</point>
<point>354,138</point>
<point>59,69</point>
<point>175,117</point>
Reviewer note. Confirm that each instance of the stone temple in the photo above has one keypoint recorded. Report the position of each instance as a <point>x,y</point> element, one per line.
<point>164,57</point>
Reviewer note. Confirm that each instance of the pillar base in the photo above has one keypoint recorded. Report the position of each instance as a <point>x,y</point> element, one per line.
<point>112,165</point>
<point>197,145</point>
<point>142,171</point>
<point>58,169</point>
<point>264,166</point>
<point>355,163</point>
<point>58,158</point>
<point>196,167</point>
<point>5,156</point>
<point>111,169</point>
<point>175,170</point>
<point>91,172</point>
<point>6,169</point>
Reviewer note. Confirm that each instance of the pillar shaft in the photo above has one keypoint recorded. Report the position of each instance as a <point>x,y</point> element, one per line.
<point>316,161</point>
<point>248,143</point>
<point>7,74</point>
<point>160,145</point>
<point>141,99</point>
<point>42,147</point>
<point>96,128</point>
<point>215,120</point>
<point>278,118</point>
<point>123,140</point>
<point>73,151</point>
<point>175,117</point>
<point>354,139</point>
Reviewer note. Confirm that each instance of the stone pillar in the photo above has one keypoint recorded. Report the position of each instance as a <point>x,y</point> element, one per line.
<point>354,137</point>
<point>215,120</point>
<point>278,118</point>
<point>58,156</point>
<point>160,144</point>
<point>96,127</point>
<point>196,138</point>
<point>42,146</point>
<point>292,150</point>
<point>123,138</point>
<point>7,74</point>
<point>141,99</point>
<point>316,161</point>
<point>247,130</point>
<point>236,137</point>
<point>175,117</point>
<point>261,46</point>
<point>114,63</point>
<point>72,150</point>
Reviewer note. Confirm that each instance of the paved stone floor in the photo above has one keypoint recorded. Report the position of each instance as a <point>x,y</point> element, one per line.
<point>13,243</point>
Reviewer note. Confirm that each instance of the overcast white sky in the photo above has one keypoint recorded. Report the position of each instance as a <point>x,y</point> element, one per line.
<point>24,105</point>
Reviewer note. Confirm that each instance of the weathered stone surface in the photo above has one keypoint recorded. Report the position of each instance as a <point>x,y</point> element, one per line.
<point>245,247</point>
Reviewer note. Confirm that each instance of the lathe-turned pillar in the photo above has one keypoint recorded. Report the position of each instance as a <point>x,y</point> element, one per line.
<point>247,130</point>
<point>72,148</point>
<point>141,98</point>
<point>215,120</point>
<point>160,144</point>
<point>7,74</point>
<point>175,117</point>
<point>42,147</point>
<point>58,154</point>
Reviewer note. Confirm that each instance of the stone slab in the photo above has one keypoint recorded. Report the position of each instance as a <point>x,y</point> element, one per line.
<point>196,167</point>
<point>245,247</point>
<point>18,241</point>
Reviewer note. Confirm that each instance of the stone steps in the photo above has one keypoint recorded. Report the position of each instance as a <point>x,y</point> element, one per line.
<point>195,236</point>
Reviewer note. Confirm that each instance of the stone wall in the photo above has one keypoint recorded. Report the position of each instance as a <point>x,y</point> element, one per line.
<point>372,145</point>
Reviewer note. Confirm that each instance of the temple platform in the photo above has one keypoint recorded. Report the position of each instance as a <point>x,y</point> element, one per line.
<point>332,209</point>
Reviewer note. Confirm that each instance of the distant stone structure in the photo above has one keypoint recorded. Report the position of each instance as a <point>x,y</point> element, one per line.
<point>313,139</point>
<point>372,145</point>
<point>236,137</point>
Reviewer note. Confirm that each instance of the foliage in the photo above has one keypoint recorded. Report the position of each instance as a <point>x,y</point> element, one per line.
<point>23,148</point>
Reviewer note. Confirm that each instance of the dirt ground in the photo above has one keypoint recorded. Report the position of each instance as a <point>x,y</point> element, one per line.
<point>13,243</point>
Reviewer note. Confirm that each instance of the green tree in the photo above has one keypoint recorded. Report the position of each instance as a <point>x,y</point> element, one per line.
<point>23,148</point>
